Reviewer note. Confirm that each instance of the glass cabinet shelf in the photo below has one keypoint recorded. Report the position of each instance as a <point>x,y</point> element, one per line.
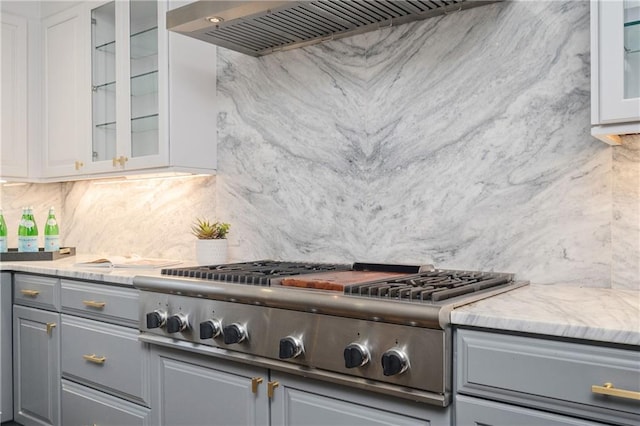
<point>142,84</point>
<point>138,124</point>
<point>140,43</point>
<point>144,123</point>
<point>109,86</point>
<point>144,43</point>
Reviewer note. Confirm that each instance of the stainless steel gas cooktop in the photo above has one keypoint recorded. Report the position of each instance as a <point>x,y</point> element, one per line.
<point>379,327</point>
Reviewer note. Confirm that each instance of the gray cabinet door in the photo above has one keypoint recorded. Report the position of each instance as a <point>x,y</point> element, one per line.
<point>475,411</point>
<point>36,355</point>
<point>6,391</point>
<point>188,389</point>
<point>299,401</point>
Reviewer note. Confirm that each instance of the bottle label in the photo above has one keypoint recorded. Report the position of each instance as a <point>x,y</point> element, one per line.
<point>3,244</point>
<point>27,223</point>
<point>27,244</point>
<point>51,243</point>
<point>51,222</point>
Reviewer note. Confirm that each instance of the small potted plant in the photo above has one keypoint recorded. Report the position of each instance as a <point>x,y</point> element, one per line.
<point>211,246</point>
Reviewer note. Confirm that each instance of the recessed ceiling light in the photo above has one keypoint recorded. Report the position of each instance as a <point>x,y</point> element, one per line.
<point>214,19</point>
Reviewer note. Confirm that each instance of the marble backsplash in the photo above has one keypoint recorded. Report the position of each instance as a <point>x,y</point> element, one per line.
<point>148,217</point>
<point>461,141</point>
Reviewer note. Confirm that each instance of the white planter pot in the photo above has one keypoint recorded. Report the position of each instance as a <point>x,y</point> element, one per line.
<point>211,252</point>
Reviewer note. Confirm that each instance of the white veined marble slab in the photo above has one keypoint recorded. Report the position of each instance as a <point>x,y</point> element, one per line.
<point>599,314</point>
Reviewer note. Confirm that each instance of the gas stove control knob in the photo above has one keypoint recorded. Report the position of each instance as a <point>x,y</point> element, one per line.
<point>290,347</point>
<point>355,355</point>
<point>176,323</point>
<point>210,329</point>
<point>234,333</point>
<point>156,319</point>
<point>394,362</point>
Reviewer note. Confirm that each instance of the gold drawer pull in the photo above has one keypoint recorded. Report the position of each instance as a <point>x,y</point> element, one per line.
<point>95,359</point>
<point>94,304</point>
<point>608,389</point>
<point>270,388</point>
<point>255,381</point>
<point>30,293</point>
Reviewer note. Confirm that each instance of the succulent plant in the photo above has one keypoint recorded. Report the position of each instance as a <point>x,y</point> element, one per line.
<point>205,230</point>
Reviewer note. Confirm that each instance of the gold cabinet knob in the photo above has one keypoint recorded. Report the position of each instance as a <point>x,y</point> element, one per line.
<point>50,327</point>
<point>79,165</point>
<point>271,387</point>
<point>255,381</point>
<point>119,161</point>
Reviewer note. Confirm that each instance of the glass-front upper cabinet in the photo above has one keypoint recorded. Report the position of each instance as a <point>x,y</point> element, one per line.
<point>103,81</point>
<point>143,55</point>
<point>125,71</point>
<point>632,49</point>
<point>615,68</point>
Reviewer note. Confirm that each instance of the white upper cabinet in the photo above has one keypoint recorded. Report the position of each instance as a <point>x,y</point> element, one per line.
<point>13,142</point>
<point>615,69</point>
<point>64,102</point>
<point>147,100</point>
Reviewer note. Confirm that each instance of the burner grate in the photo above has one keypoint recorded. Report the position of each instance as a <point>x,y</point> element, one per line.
<point>432,286</point>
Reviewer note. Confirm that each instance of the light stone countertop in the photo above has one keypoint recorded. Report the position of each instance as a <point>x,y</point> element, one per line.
<point>65,268</point>
<point>597,314</point>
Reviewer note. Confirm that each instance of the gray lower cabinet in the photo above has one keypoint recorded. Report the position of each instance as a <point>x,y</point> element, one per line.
<point>298,401</point>
<point>83,406</point>
<point>76,356</point>
<point>475,411</point>
<point>509,379</point>
<point>193,389</point>
<point>36,363</point>
<point>6,364</point>
<point>105,369</point>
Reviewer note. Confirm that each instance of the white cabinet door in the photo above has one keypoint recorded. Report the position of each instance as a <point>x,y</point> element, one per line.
<point>13,142</point>
<point>65,94</point>
<point>615,68</point>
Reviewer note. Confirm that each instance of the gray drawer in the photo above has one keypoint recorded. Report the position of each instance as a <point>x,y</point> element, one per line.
<point>100,301</point>
<point>83,406</point>
<point>548,374</point>
<point>37,291</point>
<point>106,356</point>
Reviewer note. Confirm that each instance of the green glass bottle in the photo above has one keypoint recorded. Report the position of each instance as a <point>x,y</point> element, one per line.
<point>3,234</point>
<point>51,232</point>
<point>28,232</point>
<point>22,231</point>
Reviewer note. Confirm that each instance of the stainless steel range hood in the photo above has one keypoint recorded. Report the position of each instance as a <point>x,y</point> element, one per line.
<point>261,27</point>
